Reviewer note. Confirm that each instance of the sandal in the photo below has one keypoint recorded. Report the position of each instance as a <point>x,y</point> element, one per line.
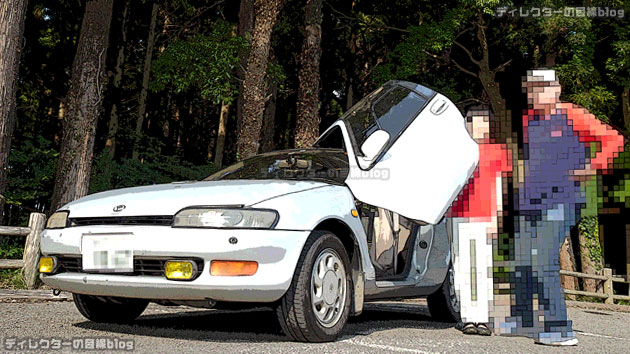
<point>470,328</point>
<point>483,330</point>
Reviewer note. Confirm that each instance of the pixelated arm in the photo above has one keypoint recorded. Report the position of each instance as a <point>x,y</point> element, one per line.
<point>590,129</point>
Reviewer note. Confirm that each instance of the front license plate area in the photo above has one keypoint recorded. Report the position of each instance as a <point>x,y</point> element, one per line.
<point>111,254</point>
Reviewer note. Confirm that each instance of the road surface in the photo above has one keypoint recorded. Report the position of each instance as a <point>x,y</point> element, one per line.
<point>391,327</point>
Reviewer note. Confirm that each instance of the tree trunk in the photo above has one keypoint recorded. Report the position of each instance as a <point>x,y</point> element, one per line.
<point>590,252</point>
<point>61,113</point>
<point>349,95</point>
<point>146,76</point>
<point>567,262</point>
<point>245,26</point>
<point>625,105</point>
<point>249,127</point>
<point>112,126</point>
<point>84,104</point>
<point>308,119</point>
<point>223,118</point>
<point>12,13</point>
<point>487,77</point>
<point>269,121</point>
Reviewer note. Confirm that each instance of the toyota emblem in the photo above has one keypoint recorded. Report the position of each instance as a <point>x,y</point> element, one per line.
<point>119,208</point>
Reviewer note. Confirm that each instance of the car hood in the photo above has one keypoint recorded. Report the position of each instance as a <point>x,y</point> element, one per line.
<point>168,199</point>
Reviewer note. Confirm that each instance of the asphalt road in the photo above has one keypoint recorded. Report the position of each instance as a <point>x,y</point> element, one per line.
<point>394,327</point>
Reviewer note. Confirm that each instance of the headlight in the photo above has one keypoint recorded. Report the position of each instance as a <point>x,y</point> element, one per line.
<point>57,220</point>
<point>226,218</point>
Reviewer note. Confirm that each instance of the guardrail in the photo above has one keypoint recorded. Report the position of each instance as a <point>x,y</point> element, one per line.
<point>30,261</point>
<point>608,295</point>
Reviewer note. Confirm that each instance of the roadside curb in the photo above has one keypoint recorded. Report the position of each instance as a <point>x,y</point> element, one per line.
<point>597,306</point>
<point>31,296</point>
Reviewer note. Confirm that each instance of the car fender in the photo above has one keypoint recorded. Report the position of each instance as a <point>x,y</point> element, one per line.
<point>310,209</point>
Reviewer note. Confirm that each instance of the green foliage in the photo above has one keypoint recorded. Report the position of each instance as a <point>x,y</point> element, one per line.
<point>618,66</point>
<point>110,174</point>
<point>589,228</point>
<point>581,81</point>
<point>428,39</point>
<point>598,100</point>
<point>11,247</point>
<point>31,175</point>
<point>11,279</point>
<point>203,62</point>
<point>621,192</point>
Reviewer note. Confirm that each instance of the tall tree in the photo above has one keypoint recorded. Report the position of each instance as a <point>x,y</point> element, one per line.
<point>307,123</point>
<point>146,76</point>
<point>245,27</point>
<point>249,126</point>
<point>84,104</point>
<point>112,126</point>
<point>12,14</point>
<point>205,63</point>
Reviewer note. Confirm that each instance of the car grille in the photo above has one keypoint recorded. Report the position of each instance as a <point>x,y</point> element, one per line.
<point>149,220</point>
<point>141,266</point>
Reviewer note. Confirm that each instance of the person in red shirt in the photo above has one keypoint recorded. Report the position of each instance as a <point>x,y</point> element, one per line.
<point>473,225</point>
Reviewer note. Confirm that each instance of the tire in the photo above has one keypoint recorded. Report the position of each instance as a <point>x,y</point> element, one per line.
<point>109,309</point>
<point>443,304</point>
<point>309,312</point>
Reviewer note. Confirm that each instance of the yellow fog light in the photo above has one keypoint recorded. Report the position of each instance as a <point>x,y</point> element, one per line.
<point>47,265</point>
<point>179,270</point>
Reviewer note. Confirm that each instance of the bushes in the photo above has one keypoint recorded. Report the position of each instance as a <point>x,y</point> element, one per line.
<point>31,179</point>
<point>110,174</point>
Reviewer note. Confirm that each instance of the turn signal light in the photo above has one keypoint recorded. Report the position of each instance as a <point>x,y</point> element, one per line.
<point>47,265</point>
<point>179,270</point>
<point>233,268</point>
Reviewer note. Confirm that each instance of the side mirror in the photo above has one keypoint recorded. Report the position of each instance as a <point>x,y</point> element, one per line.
<point>373,145</point>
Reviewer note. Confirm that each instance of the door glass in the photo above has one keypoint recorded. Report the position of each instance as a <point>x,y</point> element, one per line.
<point>397,108</point>
<point>360,121</point>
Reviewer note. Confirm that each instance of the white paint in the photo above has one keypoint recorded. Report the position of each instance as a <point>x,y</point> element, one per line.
<point>390,348</point>
<point>601,336</point>
<point>427,167</point>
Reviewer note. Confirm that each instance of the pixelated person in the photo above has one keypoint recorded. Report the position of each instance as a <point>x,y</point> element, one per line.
<point>557,142</point>
<point>473,224</point>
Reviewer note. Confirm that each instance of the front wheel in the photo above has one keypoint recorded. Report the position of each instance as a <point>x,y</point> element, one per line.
<point>444,304</point>
<point>317,305</point>
<point>109,309</point>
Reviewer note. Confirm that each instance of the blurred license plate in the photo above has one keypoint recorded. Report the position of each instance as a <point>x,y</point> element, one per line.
<point>107,253</point>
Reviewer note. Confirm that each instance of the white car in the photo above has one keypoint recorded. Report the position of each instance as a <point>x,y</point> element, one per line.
<point>312,232</point>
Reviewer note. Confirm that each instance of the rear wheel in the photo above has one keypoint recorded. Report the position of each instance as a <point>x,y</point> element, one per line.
<point>443,304</point>
<point>109,309</point>
<point>317,305</point>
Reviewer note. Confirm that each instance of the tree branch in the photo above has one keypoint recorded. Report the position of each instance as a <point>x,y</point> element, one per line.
<point>464,31</point>
<point>464,69</point>
<point>501,67</point>
<point>357,20</point>
<point>430,54</point>
<point>467,52</point>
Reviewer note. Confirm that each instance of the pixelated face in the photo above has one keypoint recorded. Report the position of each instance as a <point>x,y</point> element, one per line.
<point>479,126</point>
<point>543,94</point>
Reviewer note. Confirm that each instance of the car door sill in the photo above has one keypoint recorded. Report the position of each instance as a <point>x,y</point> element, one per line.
<point>395,283</point>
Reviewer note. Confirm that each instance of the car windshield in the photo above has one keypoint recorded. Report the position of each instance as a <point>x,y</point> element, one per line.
<point>392,107</point>
<point>326,165</point>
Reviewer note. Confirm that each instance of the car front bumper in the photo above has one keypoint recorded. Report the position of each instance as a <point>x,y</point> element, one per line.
<point>276,251</point>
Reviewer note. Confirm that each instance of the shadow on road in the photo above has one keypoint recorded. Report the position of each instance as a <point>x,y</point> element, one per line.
<point>261,324</point>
